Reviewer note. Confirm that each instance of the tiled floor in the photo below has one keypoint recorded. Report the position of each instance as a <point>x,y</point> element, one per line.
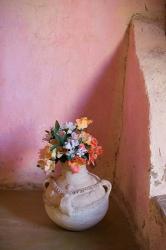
<point>24,225</point>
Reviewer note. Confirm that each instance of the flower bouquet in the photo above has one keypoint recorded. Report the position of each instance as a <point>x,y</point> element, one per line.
<point>75,199</point>
<point>69,142</point>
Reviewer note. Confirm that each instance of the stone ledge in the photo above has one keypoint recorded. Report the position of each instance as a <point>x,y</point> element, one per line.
<point>160,201</point>
<point>150,47</point>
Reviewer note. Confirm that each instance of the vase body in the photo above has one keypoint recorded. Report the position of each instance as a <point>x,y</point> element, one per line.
<point>76,201</point>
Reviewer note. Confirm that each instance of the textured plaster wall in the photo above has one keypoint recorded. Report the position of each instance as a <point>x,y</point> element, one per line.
<point>133,159</point>
<point>140,171</point>
<point>151,51</point>
<point>60,60</point>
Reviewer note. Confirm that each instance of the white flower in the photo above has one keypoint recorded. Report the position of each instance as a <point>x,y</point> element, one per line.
<point>71,153</point>
<point>74,136</point>
<point>71,144</point>
<point>59,154</point>
<point>68,125</point>
<point>68,145</point>
<point>50,165</point>
<point>74,143</point>
<point>63,126</point>
<point>81,152</point>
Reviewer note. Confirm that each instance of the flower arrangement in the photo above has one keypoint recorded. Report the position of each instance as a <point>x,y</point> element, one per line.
<point>69,142</point>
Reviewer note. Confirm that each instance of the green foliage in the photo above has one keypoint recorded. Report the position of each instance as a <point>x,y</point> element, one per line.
<point>69,157</point>
<point>57,126</point>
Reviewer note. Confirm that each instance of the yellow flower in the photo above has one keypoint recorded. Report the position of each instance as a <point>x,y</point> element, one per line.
<point>83,123</point>
<point>86,137</point>
<point>50,165</point>
<point>53,154</point>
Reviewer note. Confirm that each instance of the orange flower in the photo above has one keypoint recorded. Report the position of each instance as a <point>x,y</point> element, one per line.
<point>45,153</point>
<point>92,158</point>
<point>83,123</point>
<point>77,161</point>
<point>46,165</point>
<point>93,154</point>
<point>41,164</point>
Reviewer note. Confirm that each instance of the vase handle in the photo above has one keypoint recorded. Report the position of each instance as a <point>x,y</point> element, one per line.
<point>66,204</point>
<point>46,183</point>
<point>107,186</point>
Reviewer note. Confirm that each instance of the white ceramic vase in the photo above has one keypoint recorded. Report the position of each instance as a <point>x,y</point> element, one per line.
<point>76,201</point>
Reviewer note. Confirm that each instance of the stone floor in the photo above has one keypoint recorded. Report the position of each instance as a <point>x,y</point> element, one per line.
<point>24,225</point>
<point>161,202</point>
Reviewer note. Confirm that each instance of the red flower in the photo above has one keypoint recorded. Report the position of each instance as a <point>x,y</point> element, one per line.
<point>94,142</point>
<point>99,150</point>
<point>93,154</point>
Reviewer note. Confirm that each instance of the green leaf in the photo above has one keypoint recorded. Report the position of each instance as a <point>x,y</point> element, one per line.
<point>80,140</point>
<point>64,138</point>
<point>86,156</point>
<point>69,157</point>
<point>59,139</point>
<point>57,126</point>
<point>52,133</point>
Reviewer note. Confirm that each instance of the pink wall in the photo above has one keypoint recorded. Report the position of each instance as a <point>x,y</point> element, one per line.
<point>133,163</point>
<point>60,60</point>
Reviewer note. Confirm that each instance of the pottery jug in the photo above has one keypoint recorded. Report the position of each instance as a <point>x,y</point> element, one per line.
<point>76,201</point>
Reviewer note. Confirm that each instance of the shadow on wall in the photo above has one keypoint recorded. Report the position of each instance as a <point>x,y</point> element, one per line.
<point>102,103</point>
